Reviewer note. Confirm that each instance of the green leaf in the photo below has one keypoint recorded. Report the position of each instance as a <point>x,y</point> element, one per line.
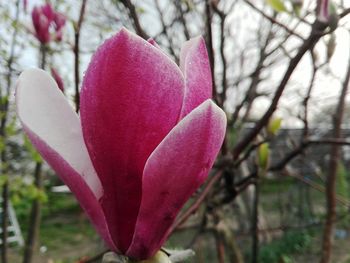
<point>11,128</point>
<point>263,156</point>
<point>140,10</point>
<point>277,5</point>
<point>2,144</point>
<point>274,126</point>
<point>42,196</point>
<point>3,179</point>
<point>15,199</point>
<point>34,154</point>
<point>342,185</point>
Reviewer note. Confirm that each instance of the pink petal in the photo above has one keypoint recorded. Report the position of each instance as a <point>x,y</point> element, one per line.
<point>153,42</point>
<point>48,11</point>
<point>195,66</point>
<point>55,130</point>
<point>176,168</point>
<point>60,20</point>
<point>131,98</point>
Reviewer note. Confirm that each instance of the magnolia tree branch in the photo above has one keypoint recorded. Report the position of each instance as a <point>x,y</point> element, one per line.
<point>332,175</point>
<point>315,35</point>
<point>280,165</point>
<point>222,17</point>
<point>178,5</point>
<point>76,50</point>
<point>196,204</point>
<point>136,22</point>
<point>165,31</point>
<point>274,21</point>
<point>251,93</point>
<point>210,48</point>
<point>344,13</point>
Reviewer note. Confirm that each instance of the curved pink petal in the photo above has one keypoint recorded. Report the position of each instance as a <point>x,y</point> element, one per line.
<point>153,43</point>
<point>55,130</point>
<point>131,98</point>
<point>194,63</point>
<point>176,168</point>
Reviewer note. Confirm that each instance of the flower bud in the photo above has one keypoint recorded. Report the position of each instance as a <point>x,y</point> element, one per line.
<point>45,18</point>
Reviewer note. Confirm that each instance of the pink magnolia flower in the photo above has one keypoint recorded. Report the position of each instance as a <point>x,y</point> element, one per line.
<point>44,19</point>
<point>147,137</point>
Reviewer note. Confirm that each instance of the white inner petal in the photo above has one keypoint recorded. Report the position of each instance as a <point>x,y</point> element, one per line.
<point>43,108</point>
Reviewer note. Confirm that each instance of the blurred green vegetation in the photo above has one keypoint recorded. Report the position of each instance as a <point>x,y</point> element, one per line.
<point>282,249</point>
<point>65,232</point>
<point>67,235</point>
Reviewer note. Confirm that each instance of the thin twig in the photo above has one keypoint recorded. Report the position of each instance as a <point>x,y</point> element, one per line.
<point>76,51</point>
<point>135,18</point>
<point>210,48</point>
<point>194,207</point>
<point>315,35</point>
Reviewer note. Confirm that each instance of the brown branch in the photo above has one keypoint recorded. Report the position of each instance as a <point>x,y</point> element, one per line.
<point>344,13</point>
<point>274,21</point>
<point>255,78</point>
<point>194,207</point>
<point>332,176</point>
<point>178,5</point>
<point>250,179</point>
<point>306,100</point>
<point>320,188</point>
<point>165,31</point>
<point>220,247</point>
<point>301,147</point>
<point>133,14</point>
<point>34,219</point>
<point>247,153</point>
<point>222,17</point>
<point>76,51</point>
<point>210,48</point>
<point>315,35</point>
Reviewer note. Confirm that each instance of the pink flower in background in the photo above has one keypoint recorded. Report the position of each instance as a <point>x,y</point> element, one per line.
<point>41,25</point>
<point>58,79</point>
<point>147,136</point>
<point>59,22</point>
<point>25,5</point>
<point>324,13</point>
<point>45,20</point>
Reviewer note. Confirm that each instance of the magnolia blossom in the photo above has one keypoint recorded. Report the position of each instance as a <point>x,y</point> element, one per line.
<point>147,136</point>
<point>44,19</point>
